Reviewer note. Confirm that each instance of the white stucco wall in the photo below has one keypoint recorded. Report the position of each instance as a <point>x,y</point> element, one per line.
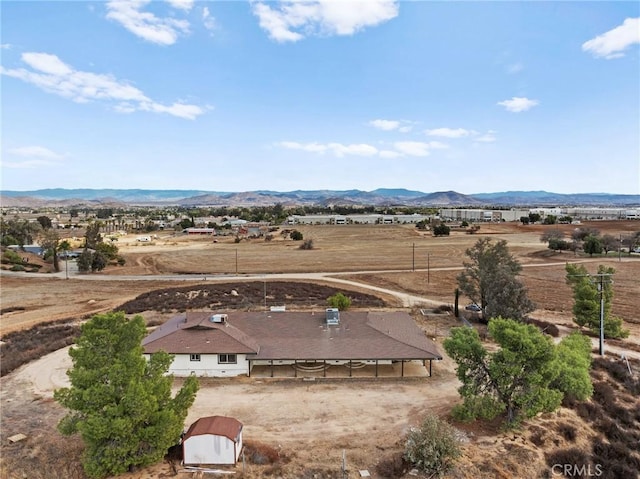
<point>211,449</point>
<point>208,366</point>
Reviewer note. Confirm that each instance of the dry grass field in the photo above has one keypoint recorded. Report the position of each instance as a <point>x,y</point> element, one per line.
<point>310,424</point>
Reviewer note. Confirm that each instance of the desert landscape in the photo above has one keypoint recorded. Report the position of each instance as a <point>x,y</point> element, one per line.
<point>306,425</point>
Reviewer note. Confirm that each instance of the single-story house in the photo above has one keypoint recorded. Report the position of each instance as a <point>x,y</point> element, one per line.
<point>213,440</point>
<point>222,345</point>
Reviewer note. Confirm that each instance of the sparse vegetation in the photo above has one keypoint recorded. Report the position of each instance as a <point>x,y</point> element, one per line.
<point>307,244</point>
<point>20,347</point>
<point>433,447</point>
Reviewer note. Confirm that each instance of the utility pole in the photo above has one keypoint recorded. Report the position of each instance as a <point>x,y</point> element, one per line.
<point>601,289</point>
<point>600,282</point>
<point>413,258</point>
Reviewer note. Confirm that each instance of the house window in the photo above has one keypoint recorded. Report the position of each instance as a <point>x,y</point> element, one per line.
<point>227,359</point>
<point>195,357</point>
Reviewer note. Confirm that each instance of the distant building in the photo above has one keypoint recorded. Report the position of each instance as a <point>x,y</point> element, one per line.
<point>356,219</point>
<point>481,215</point>
<point>28,248</point>
<point>200,231</point>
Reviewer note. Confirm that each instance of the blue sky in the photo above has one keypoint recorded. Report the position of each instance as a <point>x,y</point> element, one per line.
<point>247,95</point>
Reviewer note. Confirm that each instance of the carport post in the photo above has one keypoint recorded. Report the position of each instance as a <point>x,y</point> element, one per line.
<point>402,369</point>
<point>376,368</point>
<point>429,367</point>
<point>350,368</point>
<point>271,360</point>
<point>295,368</point>
<point>324,368</point>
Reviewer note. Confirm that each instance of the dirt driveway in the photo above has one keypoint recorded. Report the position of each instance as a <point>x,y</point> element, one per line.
<point>362,416</point>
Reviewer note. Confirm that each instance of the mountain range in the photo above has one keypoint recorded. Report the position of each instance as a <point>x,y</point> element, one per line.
<point>61,197</point>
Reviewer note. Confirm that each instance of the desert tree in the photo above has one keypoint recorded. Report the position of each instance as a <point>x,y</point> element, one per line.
<point>516,379</point>
<point>592,245</point>
<point>574,362</point>
<point>579,234</point>
<point>441,230</point>
<point>92,235</point>
<point>49,240</point>
<point>17,231</point>
<point>490,279</point>
<point>555,240</point>
<point>587,300</point>
<point>119,402</point>
<point>296,235</point>
<point>44,221</point>
<point>609,243</point>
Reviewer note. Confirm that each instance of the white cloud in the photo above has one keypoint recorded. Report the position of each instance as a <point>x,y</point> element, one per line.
<point>36,157</point>
<point>185,5</point>
<point>208,21</point>
<point>337,149</point>
<point>403,126</point>
<point>5,46</point>
<point>518,104</point>
<point>613,43</point>
<point>449,132</point>
<point>386,125</point>
<point>163,31</point>
<point>291,20</point>
<point>35,152</point>
<point>390,154</point>
<point>488,137</point>
<point>52,75</point>
<point>401,148</point>
<point>418,148</point>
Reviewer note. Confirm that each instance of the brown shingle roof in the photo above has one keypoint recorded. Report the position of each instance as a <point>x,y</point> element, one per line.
<point>218,425</point>
<point>196,334</point>
<point>297,335</point>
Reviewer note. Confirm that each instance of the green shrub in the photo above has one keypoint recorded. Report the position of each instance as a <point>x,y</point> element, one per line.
<point>478,407</point>
<point>11,257</point>
<point>433,447</point>
<point>462,413</point>
<point>339,301</point>
<point>17,267</point>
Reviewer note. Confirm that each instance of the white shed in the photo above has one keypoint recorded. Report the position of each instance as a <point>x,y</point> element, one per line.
<point>213,440</point>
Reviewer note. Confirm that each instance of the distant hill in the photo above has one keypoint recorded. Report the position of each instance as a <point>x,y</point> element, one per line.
<point>380,197</point>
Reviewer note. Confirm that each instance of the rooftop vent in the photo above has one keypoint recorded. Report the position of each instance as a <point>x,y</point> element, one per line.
<point>333,316</point>
<point>218,318</point>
